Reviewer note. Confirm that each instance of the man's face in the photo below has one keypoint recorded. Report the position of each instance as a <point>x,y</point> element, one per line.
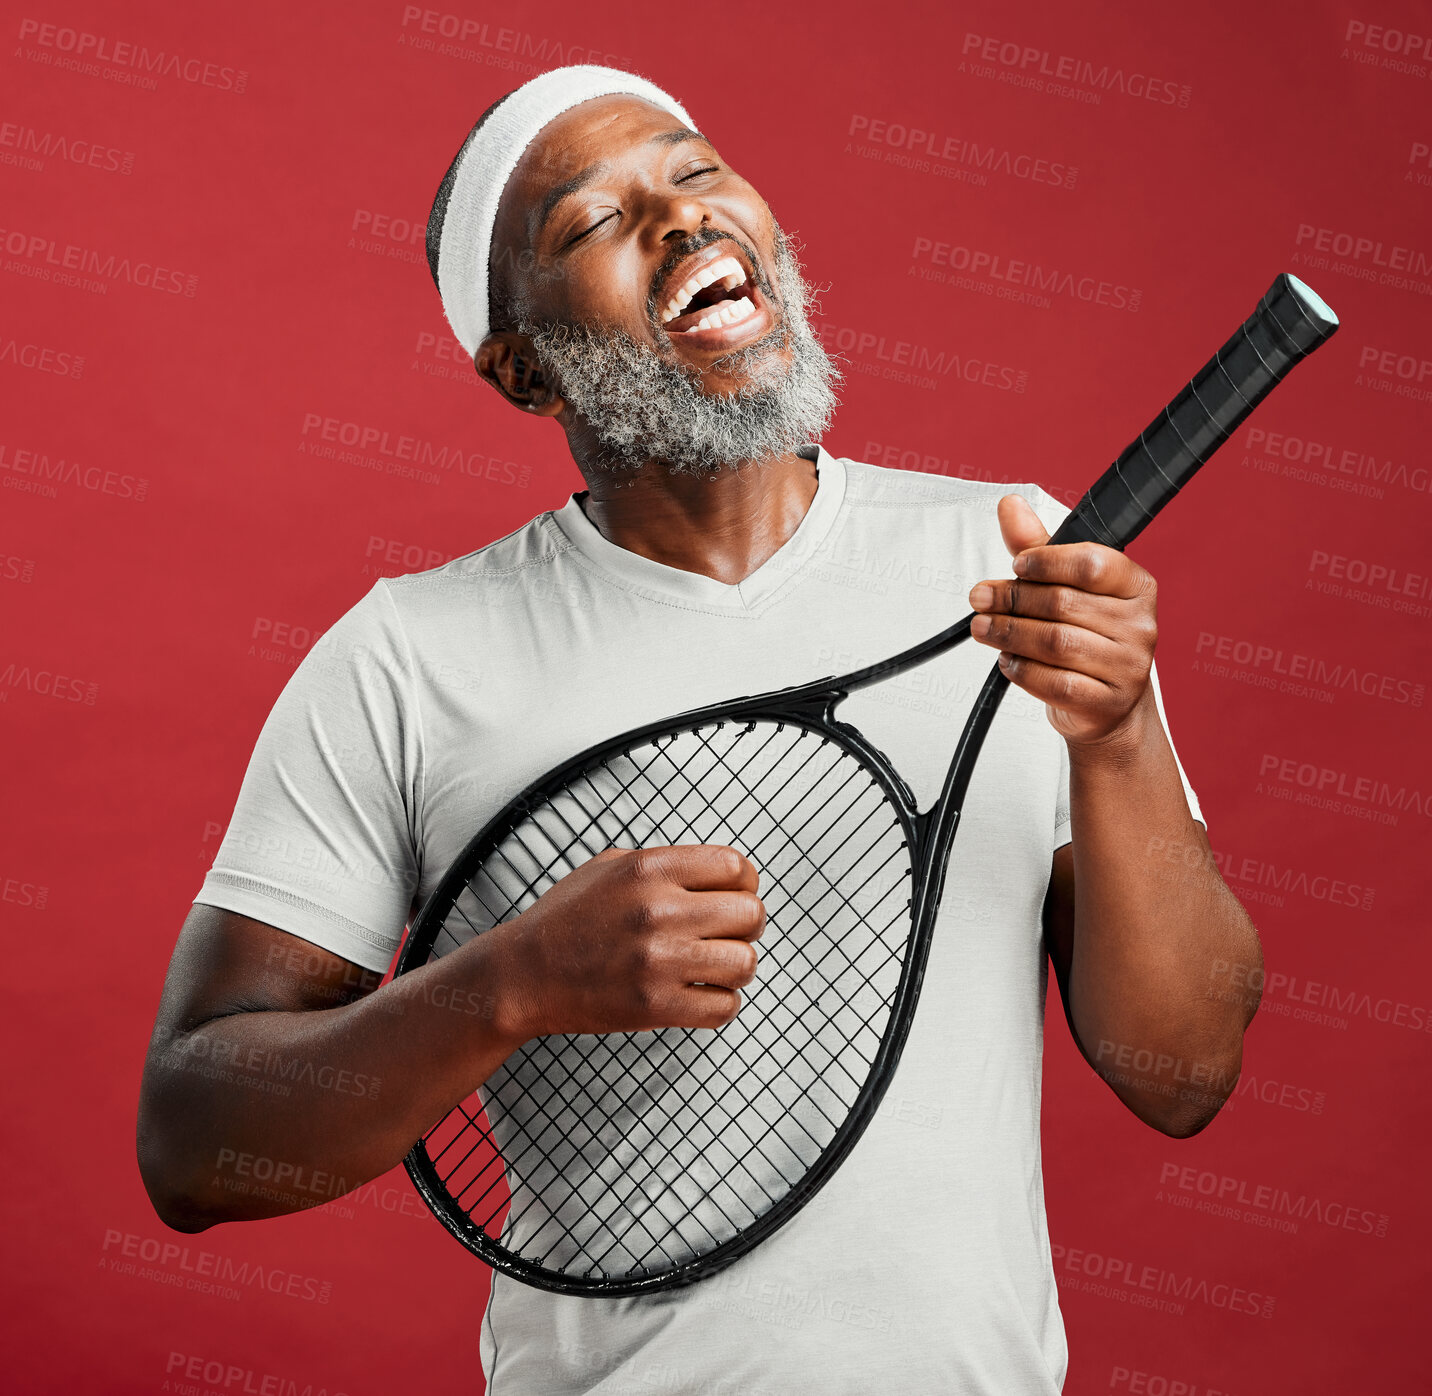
<point>611,223</point>
<point>615,212</point>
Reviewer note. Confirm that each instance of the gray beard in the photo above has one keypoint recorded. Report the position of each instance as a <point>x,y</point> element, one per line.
<point>639,407</point>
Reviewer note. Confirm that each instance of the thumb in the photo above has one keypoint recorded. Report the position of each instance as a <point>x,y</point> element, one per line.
<point>1020,525</point>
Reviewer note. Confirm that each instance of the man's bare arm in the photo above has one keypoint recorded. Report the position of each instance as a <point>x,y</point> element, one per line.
<point>281,1076</point>
<point>277,1078</point>
<point>1138,917</point>
<point>1138,921</point>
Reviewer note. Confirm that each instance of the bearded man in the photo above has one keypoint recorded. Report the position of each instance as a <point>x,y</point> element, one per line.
<point>605,266</point>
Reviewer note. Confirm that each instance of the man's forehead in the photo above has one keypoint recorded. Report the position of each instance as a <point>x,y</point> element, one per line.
<point>579,146</point>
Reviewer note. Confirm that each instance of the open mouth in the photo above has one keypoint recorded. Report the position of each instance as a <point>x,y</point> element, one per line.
<point>720,293</point>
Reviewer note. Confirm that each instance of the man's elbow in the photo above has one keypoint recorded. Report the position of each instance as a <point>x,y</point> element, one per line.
<point>178,1215</point>
<point>178,1209</point>
<point>171,1193</point>
<point>1184,1119</point>
<point>1186,1111</point>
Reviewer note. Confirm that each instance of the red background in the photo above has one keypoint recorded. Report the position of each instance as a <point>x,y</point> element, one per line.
<point>287,216</point>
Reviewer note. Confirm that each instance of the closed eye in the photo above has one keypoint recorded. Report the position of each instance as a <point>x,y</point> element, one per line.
<point>579,236</point>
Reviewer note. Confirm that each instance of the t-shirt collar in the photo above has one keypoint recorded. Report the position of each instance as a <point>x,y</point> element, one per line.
<point>634,572</point>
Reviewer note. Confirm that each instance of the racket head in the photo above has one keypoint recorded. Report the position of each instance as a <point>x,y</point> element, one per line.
<point>625,1163</point>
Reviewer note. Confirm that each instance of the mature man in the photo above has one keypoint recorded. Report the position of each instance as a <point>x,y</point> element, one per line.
<point>607,268</point>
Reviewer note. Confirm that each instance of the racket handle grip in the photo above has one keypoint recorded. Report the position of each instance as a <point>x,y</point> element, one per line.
<point>1290,322</point>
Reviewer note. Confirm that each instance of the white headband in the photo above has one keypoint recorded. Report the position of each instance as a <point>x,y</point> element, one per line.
<point>484,166</point>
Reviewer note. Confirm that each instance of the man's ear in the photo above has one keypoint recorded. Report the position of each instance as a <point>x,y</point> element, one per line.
<point>508,361</point>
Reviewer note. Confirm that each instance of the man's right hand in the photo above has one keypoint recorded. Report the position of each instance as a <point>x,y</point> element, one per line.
<point>631,941</point>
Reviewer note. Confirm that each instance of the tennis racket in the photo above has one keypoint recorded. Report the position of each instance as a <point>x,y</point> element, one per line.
<point>624,1163</point>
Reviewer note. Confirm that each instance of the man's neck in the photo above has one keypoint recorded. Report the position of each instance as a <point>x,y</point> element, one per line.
<point>723,527</point>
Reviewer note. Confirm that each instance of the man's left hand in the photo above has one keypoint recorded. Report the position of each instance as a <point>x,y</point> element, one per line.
<point>1076,628</point>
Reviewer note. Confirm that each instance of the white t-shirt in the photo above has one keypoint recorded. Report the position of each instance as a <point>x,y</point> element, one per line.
<point>923,1265</point>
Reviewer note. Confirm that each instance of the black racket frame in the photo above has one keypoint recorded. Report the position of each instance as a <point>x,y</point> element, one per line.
<point>812,707</point>
<point>1283,330</point>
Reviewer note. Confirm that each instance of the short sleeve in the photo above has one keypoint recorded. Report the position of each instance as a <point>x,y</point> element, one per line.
<point>1062,830</point>
<point>324,836</point>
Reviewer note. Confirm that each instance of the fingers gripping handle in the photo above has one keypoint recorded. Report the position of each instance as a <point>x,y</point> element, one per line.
<point>1289,323</point>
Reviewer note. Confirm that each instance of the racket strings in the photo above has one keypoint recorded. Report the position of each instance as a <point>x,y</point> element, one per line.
<point>834,946</point>
<point>557,860</point>
<point>618,1155</point>
<point>753,1144</point>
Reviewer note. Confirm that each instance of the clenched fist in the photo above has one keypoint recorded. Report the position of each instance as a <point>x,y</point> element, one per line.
<point>631,941</point>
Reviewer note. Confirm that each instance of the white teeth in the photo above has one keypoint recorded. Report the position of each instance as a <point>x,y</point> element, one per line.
<point>731,313</point>
<point>727,270</point>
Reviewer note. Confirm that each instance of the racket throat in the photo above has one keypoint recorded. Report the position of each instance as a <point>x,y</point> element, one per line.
<point>935,829</point>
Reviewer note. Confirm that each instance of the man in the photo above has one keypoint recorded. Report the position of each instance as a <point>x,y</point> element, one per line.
<point>607,268</point>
